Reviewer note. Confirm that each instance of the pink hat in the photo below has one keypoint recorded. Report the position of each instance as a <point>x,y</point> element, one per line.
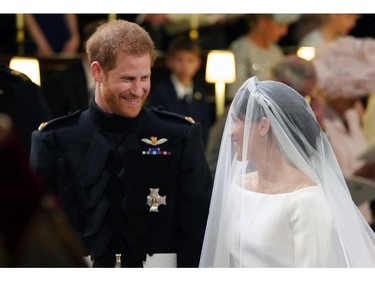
<point>346,67</point>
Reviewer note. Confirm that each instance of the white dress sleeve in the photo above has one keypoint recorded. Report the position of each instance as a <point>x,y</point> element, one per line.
<point>315,240</point>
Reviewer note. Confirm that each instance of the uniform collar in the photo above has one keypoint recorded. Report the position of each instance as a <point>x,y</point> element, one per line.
<point>111,122</point>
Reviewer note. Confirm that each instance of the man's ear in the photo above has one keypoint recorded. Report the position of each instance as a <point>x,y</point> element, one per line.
<point>96,71</point>
<point>264,126</point>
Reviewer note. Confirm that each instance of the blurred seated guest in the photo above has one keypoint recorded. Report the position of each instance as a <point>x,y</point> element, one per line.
<point>299,74</point>
<point>23,101</point>
<point>331,27</point>
<point>180,93</point>
<point>33,229</point>
<point>52,34</point>
<point>72,89</point>
<point>257,51</point>
<point>346,70</point>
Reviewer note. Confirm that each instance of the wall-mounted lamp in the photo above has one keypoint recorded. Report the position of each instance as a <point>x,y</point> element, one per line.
<point>220,69</point>
<point>307,53</point>
<point>28,66</point>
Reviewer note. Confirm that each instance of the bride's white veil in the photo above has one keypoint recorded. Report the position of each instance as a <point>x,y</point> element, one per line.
<point>303,145</point>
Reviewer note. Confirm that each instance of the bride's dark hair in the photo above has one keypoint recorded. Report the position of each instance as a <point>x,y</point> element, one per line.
<point>297,116</point>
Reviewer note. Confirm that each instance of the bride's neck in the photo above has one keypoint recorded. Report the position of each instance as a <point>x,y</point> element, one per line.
<point>280,177</point>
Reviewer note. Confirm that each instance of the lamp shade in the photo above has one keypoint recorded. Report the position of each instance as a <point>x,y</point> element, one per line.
<point>220,67</point>
<point>28,66</point>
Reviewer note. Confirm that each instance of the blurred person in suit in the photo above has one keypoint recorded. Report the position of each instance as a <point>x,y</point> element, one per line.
<point>180,93</point>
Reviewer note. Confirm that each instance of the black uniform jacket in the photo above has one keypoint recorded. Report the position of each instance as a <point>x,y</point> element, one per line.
<point>112,173</point>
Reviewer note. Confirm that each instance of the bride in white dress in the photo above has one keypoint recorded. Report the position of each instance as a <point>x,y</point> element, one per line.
<point>279,197</point>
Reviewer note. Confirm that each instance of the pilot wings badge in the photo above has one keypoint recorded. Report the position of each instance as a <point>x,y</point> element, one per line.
<point>154,141</point>
<point>155,150</point>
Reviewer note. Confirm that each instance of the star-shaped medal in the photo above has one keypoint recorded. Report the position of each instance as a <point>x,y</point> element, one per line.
<point>154,200</point>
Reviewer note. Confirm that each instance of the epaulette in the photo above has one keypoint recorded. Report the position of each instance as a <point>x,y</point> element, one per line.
<point>58,120</point>
<point>161,111</point>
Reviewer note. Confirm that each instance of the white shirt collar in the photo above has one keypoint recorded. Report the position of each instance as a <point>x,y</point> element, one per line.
<point>182,90</point>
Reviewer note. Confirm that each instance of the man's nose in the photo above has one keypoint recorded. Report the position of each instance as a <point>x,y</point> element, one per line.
<point>137,88</point>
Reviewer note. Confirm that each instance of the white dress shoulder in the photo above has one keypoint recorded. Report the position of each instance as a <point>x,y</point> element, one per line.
<point>282,230</point>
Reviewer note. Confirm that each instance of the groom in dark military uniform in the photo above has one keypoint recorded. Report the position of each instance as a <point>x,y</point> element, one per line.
<point>133,181</point>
